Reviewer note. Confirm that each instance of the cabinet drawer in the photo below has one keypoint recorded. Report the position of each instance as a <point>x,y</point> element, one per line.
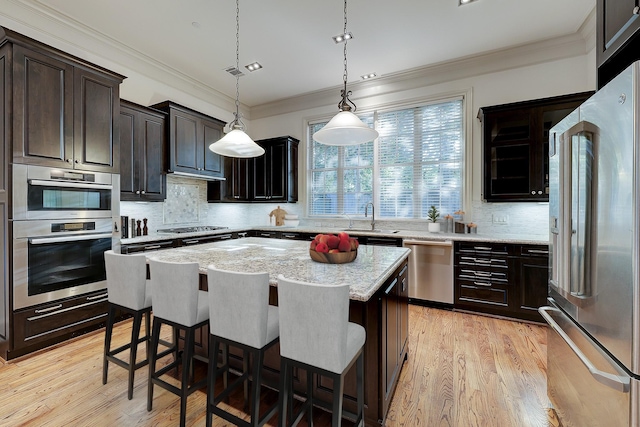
<point>55,319</point>
<point>480,249</point>
<point>146,247</point>
<point>533,250</point>
<point>483,293</point>
<point>484,275</point>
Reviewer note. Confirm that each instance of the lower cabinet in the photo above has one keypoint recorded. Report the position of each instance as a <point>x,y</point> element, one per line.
<point>42,325</point>
<point>502,279</point>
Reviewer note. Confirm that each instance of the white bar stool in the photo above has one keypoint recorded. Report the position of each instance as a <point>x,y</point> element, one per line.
<point>240,316</point>
<point>316,335</point>
<point>178,302</point>
<point>128,292</point>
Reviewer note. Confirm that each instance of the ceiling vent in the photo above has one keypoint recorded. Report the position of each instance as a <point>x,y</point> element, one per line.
<point>234,71</point>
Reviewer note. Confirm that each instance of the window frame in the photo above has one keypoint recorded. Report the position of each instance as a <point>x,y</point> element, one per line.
<point>466,153</point>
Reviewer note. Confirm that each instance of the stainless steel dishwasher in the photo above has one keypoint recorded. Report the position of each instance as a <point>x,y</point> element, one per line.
<point>430,271</point>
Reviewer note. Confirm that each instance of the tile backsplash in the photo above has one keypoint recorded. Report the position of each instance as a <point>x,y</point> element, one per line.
<point>186,205</point>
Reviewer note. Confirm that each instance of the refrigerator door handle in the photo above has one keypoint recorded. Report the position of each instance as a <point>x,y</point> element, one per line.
<point>613,381</point>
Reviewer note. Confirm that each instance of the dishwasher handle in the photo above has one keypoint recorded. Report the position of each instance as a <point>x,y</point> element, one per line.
<point>428,242</point>
<point>614,381</point>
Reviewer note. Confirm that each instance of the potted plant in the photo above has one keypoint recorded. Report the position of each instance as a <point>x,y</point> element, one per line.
<point>434,225</point>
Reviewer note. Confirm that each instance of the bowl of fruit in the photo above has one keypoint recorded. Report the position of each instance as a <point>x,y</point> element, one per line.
<point>334,249</point>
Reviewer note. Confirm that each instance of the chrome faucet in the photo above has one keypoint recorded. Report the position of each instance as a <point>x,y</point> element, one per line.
<point>350,221</point>
<point>373,215</point>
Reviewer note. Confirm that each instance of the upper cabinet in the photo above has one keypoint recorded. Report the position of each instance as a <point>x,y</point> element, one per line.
<point>142,153</point>
<point>189,134</point>
<point>516,147</point>
<point>272,177</point>
<point>275,173</point>
<point>64,109</point>
<point>617,37</point>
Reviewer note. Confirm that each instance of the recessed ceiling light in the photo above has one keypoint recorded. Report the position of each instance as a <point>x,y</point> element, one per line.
<point>253,66</point>
<point>342,37</point>
<point>463,2</point>
<point>368,76</point>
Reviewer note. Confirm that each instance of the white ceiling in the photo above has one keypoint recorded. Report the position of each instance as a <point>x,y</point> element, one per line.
<point>292,38</point>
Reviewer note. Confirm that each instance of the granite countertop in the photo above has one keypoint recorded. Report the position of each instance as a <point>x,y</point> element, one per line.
<point>402,234</point>
<point>365,275</point>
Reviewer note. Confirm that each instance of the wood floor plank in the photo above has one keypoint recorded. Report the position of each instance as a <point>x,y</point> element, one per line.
<point>463,370</point>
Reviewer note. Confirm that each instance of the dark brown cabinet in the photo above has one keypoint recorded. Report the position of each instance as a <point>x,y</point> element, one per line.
<point>4,210</point>
<point>142,153</point>
<point>502,279</point>
<point>64,111</point>
<point>189,134</point>
<point>617,37</point>
<point>272,177</point>
<point>516,146</point>
<point>275,173</point>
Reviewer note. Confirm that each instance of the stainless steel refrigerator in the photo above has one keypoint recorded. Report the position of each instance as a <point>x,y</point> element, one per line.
<point>593,351</point>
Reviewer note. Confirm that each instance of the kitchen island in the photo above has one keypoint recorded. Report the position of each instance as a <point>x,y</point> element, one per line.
<point>379,302</point>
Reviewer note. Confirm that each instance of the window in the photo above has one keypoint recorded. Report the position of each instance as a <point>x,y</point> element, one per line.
<point>416,162</point>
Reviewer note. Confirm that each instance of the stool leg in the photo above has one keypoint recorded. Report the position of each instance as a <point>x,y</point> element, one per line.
<point>309,401</point>
<point>258,359</point>
<point>283,399</point>
<point>147,330</point>
<point>360,391</point>
<point>133,351</point>
<point>155,337</point>
<point>338,390</point>
<point>186,368</point>
<point>214,347</point>
<point>107,342</point>
<point>245,384</point>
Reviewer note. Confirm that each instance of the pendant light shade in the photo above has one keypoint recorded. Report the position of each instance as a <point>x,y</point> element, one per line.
<point>345,128</point>
<point>237,143</point>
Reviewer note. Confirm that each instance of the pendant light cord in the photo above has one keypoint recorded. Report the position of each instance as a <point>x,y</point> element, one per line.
<point>345,103</point>
<point>237,124</point>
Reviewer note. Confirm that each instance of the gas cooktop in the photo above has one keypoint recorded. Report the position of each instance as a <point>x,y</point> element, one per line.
<point>191,229</point>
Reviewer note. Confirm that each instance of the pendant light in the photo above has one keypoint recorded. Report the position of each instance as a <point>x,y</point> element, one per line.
<point>237,143</point>
<point>345,128</point>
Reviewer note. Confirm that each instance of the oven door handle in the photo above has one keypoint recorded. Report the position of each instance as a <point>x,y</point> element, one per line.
<point>74,238</point>
<point>70,184</point>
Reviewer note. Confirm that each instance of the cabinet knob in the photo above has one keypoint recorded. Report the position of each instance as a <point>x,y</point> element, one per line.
<point>533,192</point>
<point>539,191</point>
<point>138,192</point>
<point>636,10</point>
<point>68,160</point>
<point>144,192</point>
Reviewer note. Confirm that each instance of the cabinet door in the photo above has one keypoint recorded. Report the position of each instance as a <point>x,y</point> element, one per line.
<point>152,149</point>
<point>4,214</point>
<point>96,109</point>
<point>403,299</point>
<point>278,171</point>
<point>237,182</point>
<point>42,109</point>
<point>533,276</point>
<point>212,164</point>
<point>261,184</point>
<point>128,155</point>
<point>390,317</point>
<point>183,142</point>
<point>293,172</point>
<point>509,145</point>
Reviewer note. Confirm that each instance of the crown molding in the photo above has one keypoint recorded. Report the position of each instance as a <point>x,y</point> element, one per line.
<point>576,44</point>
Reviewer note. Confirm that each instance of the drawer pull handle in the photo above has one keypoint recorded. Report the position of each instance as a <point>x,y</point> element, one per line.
<point>482,273</point>
<point>483,261</point>
<point>537,251</point>
<point>95,297</point>
<point>46,310</point>
<point>148,248</point>
<point>481,283</point>
<point>481,248</point>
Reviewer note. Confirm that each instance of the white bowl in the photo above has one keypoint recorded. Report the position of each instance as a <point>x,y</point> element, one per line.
<point>290,216</point>
<point>291,222</point>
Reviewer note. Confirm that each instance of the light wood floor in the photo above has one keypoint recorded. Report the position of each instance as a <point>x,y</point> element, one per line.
<point>463,370</point>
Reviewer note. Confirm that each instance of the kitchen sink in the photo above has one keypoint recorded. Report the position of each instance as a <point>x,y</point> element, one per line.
<point>368,230</point>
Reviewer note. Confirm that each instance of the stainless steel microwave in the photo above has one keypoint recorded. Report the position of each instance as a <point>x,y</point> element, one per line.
<point>52,193</point>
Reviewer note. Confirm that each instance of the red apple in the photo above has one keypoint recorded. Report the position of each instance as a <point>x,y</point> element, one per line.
<point>345,245</point>
<point>333,241</point>
<point>343,236</point>
<point>354,243</point>
<point>322,248</point>
<point>313,245</point>
<point>324,238</point>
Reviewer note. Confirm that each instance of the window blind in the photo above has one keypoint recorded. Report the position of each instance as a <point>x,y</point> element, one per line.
<point>415,162</point>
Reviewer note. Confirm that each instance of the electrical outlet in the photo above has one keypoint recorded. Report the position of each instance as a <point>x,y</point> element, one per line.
<point>500,219</point>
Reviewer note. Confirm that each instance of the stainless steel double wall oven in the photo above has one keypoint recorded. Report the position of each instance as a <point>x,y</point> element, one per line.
<point>63,222</point>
